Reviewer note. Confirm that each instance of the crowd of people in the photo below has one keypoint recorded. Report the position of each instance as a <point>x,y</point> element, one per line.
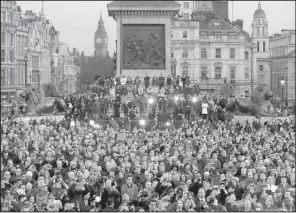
<point>159,98</point>
<point>205,165</point>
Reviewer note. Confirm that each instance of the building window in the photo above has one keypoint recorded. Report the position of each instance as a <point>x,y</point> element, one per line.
<point>185,70</point>
<point>184,34</point>
<point>258,31</point>
<point>186,4</point>
<point>218,53</point>
<point>35,76</point>
<point>186,16</point>
<point>35,62</point>
<point>172,52</point>
<point>247,94</point>
<point>203,72</point>
<point>217,35</point>
<point>172,34</point>
<point>185,52</point>
<point>218,72</point>
<point>3,38</point>
<point>2,16</point>
<point>261,68</point>
<point>232,53</point>
<point>11,79</point>
<point>2,55</point>
<point>247,73</point>
<point>203,53</point>
<point>11,55</point>
<point>263,46</point>
<point>203,35</point>
<point>10,17</point>
<point>2,77</point>
<point>232,72</point>
<point>258,45</point>
<point>246,55</point>
<point>11,38</point>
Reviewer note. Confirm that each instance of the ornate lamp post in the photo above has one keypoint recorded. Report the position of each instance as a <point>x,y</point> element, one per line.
<point>208,76</point>
<point>174,63</point>
<point>283,84</point>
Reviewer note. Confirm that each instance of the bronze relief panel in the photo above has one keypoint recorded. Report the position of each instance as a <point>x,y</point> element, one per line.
<point>143,46</point>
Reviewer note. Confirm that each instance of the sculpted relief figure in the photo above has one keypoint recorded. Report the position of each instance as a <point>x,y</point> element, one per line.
<point>139,52</point>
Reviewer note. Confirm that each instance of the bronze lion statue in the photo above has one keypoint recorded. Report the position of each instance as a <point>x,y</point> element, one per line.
<point>36,103</point>
<point>258,104</point>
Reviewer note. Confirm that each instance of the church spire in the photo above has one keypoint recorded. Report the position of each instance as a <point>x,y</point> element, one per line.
<point>101,21</point>
<point>42,15</point>
<point>259,5</point>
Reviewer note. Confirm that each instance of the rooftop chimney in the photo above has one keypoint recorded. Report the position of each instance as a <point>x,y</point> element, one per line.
<point>239,22</point>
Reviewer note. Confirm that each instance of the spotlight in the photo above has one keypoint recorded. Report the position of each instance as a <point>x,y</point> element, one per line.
<point>176,98</point>
<point>91,122</point>
<point>72,123</point>
<point>150,101</point>
<point>168,123</point>
<point>142,122</point>
<point>194,99</point>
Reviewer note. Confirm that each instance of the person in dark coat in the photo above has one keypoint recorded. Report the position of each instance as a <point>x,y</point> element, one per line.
<point>161,81</point>
<point>110,206</point>
<point>147,81</point>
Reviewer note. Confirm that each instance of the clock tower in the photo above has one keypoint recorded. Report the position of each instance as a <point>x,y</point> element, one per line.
<point>101,39</point>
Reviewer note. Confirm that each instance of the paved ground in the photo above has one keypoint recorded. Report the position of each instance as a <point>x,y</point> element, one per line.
<point>236,118</point>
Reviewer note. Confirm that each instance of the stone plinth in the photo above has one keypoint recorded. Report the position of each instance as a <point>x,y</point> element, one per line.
<point>147,49</point>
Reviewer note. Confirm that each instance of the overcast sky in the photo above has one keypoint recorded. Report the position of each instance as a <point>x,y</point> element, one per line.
<point>77,21</point>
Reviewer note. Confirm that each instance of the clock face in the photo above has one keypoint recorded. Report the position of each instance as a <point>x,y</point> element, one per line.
<point>99,40</point>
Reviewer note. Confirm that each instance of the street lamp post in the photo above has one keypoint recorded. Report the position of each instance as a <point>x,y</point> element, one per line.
<point>67,86</point>
<point>174,62</point>
<point>26,69</point>
<point>270,64</point>
<point>208,75</point>
<point>283,83</point>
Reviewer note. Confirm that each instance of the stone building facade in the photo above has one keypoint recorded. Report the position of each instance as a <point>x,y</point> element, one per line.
<point>210,49</point>
<point>29,50</point>
<point>25,53</point>
<point>9,74</point>
<point>69,69</point>
<point>260,40</point>
<point>282,64</point>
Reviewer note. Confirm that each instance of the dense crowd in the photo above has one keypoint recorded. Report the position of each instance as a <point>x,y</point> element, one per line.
<point>231,166</point>
<point>162,98</point>
<point>210,164</point>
